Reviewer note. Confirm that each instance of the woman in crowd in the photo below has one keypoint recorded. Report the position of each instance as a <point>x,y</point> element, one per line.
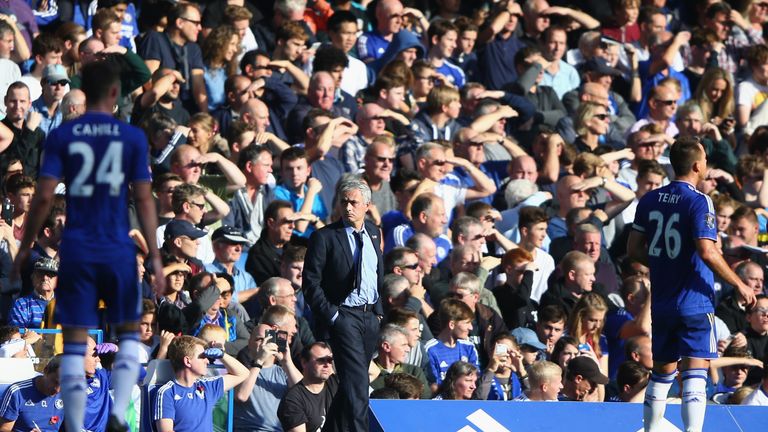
<point>220,51</point>
<point>460,382</point>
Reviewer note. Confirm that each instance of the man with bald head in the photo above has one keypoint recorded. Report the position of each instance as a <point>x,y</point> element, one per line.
<point>377,170</point>
<point>321,94</point>
<point>731,309</point>
<point>370,123</point>
<point>523,167</point>
<point>389,19</point>
<point>73,104</point>
<point>568,197</point>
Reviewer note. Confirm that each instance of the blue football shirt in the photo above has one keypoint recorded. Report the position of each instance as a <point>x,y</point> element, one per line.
<point>97,156</point>
<point>99,400</point>
<point>190,408</point>
<point>441,357</point>
<point>672,218</point>
<point>25,405</point>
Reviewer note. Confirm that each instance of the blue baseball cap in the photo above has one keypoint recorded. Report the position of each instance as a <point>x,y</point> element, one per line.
<point>526,336</point>
<point>177,228</point>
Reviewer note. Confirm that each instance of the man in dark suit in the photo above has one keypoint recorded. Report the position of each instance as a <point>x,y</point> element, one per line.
<point>343,271</point>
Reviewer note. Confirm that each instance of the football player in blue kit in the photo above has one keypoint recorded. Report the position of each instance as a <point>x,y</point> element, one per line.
<point>675,234</point>
<point>98,157</point>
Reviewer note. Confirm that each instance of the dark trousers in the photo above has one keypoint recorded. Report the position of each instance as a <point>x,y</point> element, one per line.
<point>353,340</point>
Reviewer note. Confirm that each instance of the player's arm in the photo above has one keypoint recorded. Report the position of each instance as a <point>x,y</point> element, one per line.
<point>7,425</point>
<point>715,261</point>
<point>636,247</point>
<point>300,428</point>
<point>164,425</point>
<point>236,372</point>
<point>147,212</point>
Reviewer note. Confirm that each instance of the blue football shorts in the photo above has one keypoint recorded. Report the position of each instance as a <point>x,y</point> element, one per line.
<point>675,337</point>
<point>82,284</point>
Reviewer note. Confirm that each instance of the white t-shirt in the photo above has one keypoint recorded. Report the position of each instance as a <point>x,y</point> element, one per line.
<point>452,196</point>
<point>757,398</point>
<point>9,74</point>
<point>751,94</point>
<point>546,266</point>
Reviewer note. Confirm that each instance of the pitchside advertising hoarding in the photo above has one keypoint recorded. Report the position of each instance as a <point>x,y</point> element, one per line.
<point>499,416</point>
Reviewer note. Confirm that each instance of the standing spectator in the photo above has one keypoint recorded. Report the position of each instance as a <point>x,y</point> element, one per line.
<point>185,404</point>
<point>545,380</point>
<point>248,204</point>
<point>389,21</point>
<point>452,343</point>
<point>393,349</point>
<point>581,380</point>
<point>307,403</point>
<point>177,49</point>
<point>342,288</point>
<point>227,247</point>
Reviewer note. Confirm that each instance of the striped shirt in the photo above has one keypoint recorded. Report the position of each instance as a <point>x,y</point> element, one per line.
<point>28,312</point>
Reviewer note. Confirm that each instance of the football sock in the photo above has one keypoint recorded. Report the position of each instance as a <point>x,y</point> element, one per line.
<point>125,373</point>
<point>694,399</point>
<point>656,399</point>
<point>72,381</point>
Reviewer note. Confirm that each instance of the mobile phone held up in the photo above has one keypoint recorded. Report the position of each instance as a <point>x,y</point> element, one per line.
<point>8,210</point>
<point>280,338</point>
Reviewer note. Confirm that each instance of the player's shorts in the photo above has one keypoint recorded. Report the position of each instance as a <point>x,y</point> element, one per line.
<point>676,336</point>
<point>82,284</point>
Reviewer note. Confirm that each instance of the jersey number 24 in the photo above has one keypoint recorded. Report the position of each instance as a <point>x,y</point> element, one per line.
<point>109,171</point>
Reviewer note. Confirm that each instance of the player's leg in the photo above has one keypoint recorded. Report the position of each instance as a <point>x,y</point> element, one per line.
<point>72,377</point>
<point>125,372</point>
<point>698,346</point>
<point>655,404</point>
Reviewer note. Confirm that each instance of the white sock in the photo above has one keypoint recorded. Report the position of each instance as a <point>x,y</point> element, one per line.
<point>655,403</point>
<point>125,374</point>
<point>694,399</point>
<point>72,380</point>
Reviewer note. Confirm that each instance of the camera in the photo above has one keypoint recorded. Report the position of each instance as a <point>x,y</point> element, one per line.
<point>279,337</point>
<point>8,210</point>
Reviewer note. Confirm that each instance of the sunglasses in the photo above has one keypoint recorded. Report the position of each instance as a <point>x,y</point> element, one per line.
<point>200,206</point>
<point>667,102</point>
<point>61,83</point>
<point>439,162</point>
<point>413,266</point>
<point>383,159</point>
<point>324,360</point>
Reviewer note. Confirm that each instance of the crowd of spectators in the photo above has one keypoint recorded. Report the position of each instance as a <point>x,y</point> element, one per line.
<point>505,144</point>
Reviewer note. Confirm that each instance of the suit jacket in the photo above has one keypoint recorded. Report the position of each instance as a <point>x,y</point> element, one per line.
<point>329,274</point>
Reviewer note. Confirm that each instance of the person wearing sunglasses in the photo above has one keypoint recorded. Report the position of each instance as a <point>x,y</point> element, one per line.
<point>307,403</point>
<point>55,84</point>
<point>662,107</point>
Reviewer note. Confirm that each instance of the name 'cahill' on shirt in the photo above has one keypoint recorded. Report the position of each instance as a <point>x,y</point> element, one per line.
<point>669,198</point>
<point>96,129</point>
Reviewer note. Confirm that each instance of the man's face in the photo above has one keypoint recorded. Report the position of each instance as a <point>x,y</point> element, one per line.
<point>648,183</point>
<point>241,26</point>
<point>411,269</point>
<point>391,19</point>
<point>260,68</point>
<point>753,277</point>
<point>394,97</point>
<point>188,168</point>
<point>568,197</point>
<point>262,168</point>
<point>447,44</point>
<point>239,96</point>
<point>354,207</point>
<point>550,332</point>
<point>556,46</point>
<point>462,328</point>
<point>721,24</point>
<point>428,257</point>
<point>398,350</point>
<point>745,229</point>
<point>283,226</point>
<point>227,252</point>
<point>146,327</point>
<point>657,25</point>
<point>735,375</point>
<point>322,93</point>
<point>435,166</point>
<point>553,387</point>
<point>295,173</point>
<point>408,56</point>
<point>536,234</point>
<point>583,388</point>
<point>645,149</point>
<point>22,199</point>
<point>188,248</point>
<point>292,271</point>
<point>346,37</point>
<point>198,364</point>
<point>690,124</point>
<point>758,318</point>
<point>475,238</point>
<point>467,41</point>
<point>44,282</point>
<point>17,104</point>
<point>286,296</point>
<point>470,299</point>
<point>320,364</point>
<point>294,48</point>
<point>537,20</point>
<point>585,276</point>
<point>589,243</point>
<point>379,162</point>
<point>413,326</point>
<point>524,168</point>
<point>370,121</point>
<point>190,25</point>
<point>91,358</point>
<point>436,219</point>
<point>289,326</point>
<point>664,105</point>
<point>6,45</point>
<point>468,262</point>
<point>53,57</point>
<point>196,208</point>
<point>111,36</point>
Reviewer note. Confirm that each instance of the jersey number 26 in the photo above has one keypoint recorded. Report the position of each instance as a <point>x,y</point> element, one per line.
<point>672,239</point>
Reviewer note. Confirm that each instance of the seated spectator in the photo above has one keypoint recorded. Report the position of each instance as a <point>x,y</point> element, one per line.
<point>428,217</point>
<point>148,338</point>
<point>759,397</point>
<point>662,105</point>
<point>370,122</point>
<point>647,143</point>
<point>393,349</point>
<point>578,278</point>
<point>586,325</point>
<point>263,261</point>
<point>632,320</point>
<point>15,345</point>
<point>19,190</point>
<point>757,332</point>
<point>219,52</point>
<point>308,402</point>
<point>27,137</point>
<point>442,40</point>
<point>207,307</point>
<point>176,275</point>
<point>271,374</point>
<point>460,382</point>
<point>750,110</point>
<point>163,97</point>
<point>227,248</point>
<point>582,378</point>
<point>533,230</point>
<point>437,121</point>
<point>452,343</point>
<point>301,190</point>
<point>248,204</point>
<point>181,240</point>
<point>545,380</point>
<point>378,164</point>
<point>550,325</point>
<point>501,379</point>
<point>734,374</point>
<point>731,309</point>
<point>690,121</point>
<point>28,311</point>
<point>47,408</point>
<point>588,239</point>
<point>530,66</point>
<point>715,96</point>
<point>176,407</point>
<point>408,320</point>
<point>530,349</point>
<point>560,76</point>
<point>631,379</point>
<point>333,60</point>
<point>389,19</point>
<point>54,87</point>
<point>342,31</point>
<point>321,94</point>
<point>565,350</point>
<point>405,386</point>
<point>280,291</point>
<point>568,197</point>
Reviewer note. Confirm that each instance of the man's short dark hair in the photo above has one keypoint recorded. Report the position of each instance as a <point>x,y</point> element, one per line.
<point>632,373</point>
<point>396,257</point>
<point>7,331</point>
<point>684,152</point>
<point>97,79</point>
<point>310,120</point>
<point>291,154</point>
<point>274,207</point>
<point>717,8</point>
<point>406,385</point>
<point>252,153</point>
<point>46,43</point>
<point>306,353</point>
<point>551,313</point>
<point>338,18</point>
<point>530,216</point>
<point>440,28</point>
<point>249,58</point>
<point>744,212</point>
<point>422,203</point>
<point>17,182</point>
<point>402,177</point>
<point>647,13</point>
<point>328,58</point>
